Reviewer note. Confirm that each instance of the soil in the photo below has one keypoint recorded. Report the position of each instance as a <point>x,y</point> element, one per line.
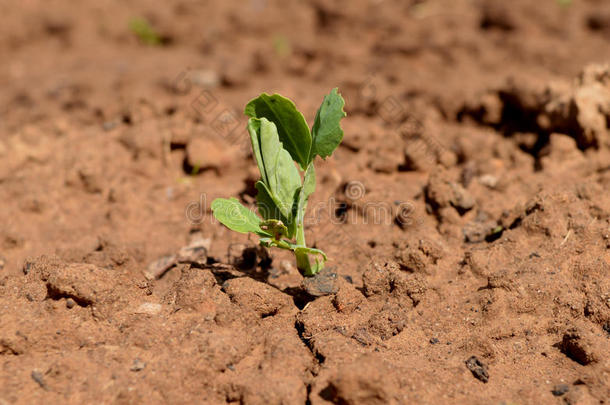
<point>466,214</point>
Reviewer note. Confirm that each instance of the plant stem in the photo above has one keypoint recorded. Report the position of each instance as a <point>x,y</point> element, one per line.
<point>302,258</point>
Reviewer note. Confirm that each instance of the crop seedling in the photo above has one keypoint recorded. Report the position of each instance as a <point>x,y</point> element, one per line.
<point>144,31</point>
<point>280,138</point>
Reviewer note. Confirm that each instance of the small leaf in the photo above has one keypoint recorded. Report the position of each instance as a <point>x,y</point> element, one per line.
<point>274,227</point>
<point>232,214</point>
<point>307,250</point>
<point>327,133</point>
<point>144,31</point>
<point>291,125</point>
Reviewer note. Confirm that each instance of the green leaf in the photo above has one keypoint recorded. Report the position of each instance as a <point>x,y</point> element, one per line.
<point>278,172</point>
<point>269,209</point>
<point>254,127</point>
<point>232,214</point>
<point>144,31</point>
<point>291,125</point>
<point>288,183</point>
<point>327,133</point>
<point>307,250</point>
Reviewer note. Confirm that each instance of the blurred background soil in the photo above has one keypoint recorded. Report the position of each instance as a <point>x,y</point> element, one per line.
<point>466,214</point>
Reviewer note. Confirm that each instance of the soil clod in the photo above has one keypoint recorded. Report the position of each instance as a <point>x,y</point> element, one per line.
<point>478,369</point>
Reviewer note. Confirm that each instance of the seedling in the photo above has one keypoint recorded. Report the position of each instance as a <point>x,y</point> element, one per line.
<point>144,31</point>
<point>285,149</point>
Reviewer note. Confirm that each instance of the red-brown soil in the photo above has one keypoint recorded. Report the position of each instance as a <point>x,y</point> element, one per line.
<point>466,214</point>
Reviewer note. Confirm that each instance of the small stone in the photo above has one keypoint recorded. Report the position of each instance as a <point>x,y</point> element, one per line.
<point>560,389</point>
<point>206,78</point>
<point>434,341</point>
<point>138,365</point>
<point>38,377</point>
<point>157,268</point>
<point>323,283</point>
<point>70,303</point>
<point>461,199</point>
<point>489,180</point>
<point>149,308</point>
<point>480,229</point>
<point>478,369</point>
<point>109,125</point>
<point>195,251</point>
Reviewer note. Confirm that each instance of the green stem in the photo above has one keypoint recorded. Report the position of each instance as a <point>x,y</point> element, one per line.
<point>302,258</point>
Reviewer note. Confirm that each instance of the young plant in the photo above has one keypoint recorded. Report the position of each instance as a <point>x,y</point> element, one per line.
<point>280,138</point>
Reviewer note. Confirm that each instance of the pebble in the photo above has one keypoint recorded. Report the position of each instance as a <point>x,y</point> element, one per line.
<point>70,303</point>
<point>323,283</point>
<point>109,125</point>
<point>138,365</point>
<point>206,78</point>
<point>489,180</point>
<point>37,376</point>
<point>157,268</point>
<point>560,389</point>
<point>477,368</point>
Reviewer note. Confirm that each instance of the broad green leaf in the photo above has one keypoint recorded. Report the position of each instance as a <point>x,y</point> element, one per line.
<point>291,125</point>
<point>254,126</point>
<point>288,183</point>
<point>278,172</point>
<point>269,210</point>
<point>326,132</point>
<point>232,214</point>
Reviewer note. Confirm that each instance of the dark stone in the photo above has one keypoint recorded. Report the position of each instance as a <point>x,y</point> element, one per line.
<point>560,389</point>
<point>323,283</point>
<point>434,341</point>
<point>37,376</point>
<point>70,303</point>
<point>477,368</point>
